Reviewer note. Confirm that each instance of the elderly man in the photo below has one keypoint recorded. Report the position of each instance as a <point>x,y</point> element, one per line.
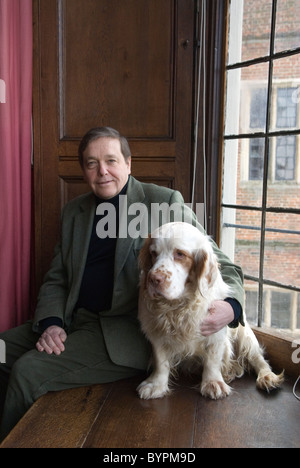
<point>85,330</point>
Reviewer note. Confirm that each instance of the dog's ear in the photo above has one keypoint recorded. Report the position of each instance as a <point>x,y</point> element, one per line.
<point>145,262</point>
<point>206,270</point>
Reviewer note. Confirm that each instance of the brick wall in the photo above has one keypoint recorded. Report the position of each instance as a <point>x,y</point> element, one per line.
<point>282,251</point>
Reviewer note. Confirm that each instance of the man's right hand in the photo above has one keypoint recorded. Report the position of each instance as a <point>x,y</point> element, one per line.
<point>52,340</point>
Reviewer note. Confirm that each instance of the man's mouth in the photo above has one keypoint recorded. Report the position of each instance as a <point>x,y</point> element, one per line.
<point>106,182</point>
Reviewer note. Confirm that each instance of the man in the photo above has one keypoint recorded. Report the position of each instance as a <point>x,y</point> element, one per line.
<point>85,330</point>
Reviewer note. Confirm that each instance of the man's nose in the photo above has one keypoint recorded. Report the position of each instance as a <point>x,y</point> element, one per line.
<point>102,169</point>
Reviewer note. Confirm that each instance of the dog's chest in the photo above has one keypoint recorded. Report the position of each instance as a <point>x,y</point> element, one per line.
<point>176,324</point>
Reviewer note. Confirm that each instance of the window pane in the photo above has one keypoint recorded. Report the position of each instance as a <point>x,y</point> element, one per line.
<point>285,158</point>
<point>254,98</point>
<point>277,307</point>
<point>258,106</point>
<point>246,103</point>
<point>249,30</point>
<point>284,177</point>
<point>242,244</point>
<point>285,110</point>
<point>280,308</point>
<point>233,100</point>
<point>282,249</point>
<point>251,301</point>
<point>243,170</point>
<point>256,158</point>
<point>287,25</point>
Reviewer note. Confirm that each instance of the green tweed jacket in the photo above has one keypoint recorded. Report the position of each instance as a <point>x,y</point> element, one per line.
<point>59,293</point>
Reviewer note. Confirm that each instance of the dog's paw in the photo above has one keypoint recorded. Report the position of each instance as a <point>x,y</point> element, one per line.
<point>268,381</point>
<point>215,390</point>
<point>148,390</point>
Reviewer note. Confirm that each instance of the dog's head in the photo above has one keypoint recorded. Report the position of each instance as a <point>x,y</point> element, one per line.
<point>177,257</point>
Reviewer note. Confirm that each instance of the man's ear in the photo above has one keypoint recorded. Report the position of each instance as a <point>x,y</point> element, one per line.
<point>129,164</point>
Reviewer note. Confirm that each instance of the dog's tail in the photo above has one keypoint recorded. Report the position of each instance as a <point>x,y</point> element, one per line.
<point>249,355</point>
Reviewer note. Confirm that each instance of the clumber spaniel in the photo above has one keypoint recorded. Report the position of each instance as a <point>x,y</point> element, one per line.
<point>180,278</point>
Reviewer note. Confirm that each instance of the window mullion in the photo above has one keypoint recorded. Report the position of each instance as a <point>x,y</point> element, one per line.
<point>266,169</point>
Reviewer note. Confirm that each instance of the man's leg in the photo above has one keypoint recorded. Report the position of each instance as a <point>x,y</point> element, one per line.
<point>18,341</point>
<point>85,361</point>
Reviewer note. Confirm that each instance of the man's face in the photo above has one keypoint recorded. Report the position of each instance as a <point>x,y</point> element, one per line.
<point>104,167</point>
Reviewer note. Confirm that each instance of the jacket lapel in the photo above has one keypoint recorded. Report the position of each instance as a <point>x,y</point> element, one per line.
<point>135,194</point>
<point>83,224</point>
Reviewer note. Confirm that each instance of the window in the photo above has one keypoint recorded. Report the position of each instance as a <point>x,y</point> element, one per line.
<point>286,108</point>
<point>260,222</point>
<point>285,153</point>
<point>285,158</point>
<point>257,109</point>
<point>256,159</point>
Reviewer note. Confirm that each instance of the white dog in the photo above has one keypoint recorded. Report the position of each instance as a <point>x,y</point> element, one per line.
<point>180,278</point>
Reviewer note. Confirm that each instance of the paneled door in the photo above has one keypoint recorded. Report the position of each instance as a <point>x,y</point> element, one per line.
<point>127,64</point>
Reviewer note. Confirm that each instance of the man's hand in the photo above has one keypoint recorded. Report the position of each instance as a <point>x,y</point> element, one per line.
<point>220,315</point>
<point>52,340</point>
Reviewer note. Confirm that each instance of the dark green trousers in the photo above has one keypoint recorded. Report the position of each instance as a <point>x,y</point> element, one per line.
<point>29,374</point>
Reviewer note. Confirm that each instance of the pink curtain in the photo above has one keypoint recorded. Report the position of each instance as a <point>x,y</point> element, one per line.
<point>15,160</point>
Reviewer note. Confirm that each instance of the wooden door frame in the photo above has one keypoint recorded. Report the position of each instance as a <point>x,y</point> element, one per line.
<point>213,118</point>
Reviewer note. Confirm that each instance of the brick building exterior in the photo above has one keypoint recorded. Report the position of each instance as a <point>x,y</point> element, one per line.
<point>282,249</point>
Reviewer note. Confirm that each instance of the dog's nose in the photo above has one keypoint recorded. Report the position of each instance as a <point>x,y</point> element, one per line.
<point>156,278</point>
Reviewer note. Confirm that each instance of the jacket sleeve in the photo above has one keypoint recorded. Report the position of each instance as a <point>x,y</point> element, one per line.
<point>53,293</point>
<point>232,274</point>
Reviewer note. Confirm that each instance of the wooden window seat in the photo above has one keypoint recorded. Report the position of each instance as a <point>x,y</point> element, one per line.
<point>112,416</point>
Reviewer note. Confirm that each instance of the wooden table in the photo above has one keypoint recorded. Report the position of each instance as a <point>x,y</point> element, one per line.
<point>112,416</point>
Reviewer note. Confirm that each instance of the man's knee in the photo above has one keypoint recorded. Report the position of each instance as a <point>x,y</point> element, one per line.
<point>28,373</point>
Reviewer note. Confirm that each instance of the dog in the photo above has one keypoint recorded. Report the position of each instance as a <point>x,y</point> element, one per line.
<point>179,280</point>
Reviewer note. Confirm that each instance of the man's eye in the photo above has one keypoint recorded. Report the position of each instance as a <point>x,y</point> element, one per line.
<point>91,164</point>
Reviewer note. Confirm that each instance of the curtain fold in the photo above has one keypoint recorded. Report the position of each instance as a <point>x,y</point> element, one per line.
<point>15,160</point>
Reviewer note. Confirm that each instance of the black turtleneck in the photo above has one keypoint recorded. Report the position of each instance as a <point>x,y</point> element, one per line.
<point>98,278</point>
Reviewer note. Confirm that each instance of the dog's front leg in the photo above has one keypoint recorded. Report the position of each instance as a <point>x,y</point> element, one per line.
<point>156,385</point>
<point>213,385</point>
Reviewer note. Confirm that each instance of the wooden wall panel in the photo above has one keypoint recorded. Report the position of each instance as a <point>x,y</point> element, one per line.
<point>122,63</point>
<point>117,58</point>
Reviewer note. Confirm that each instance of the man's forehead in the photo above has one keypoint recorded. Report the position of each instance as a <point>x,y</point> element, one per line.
<point>110,147</point>
<point>104,142</point>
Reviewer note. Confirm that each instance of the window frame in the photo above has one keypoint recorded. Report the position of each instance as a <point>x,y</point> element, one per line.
<point>267,135</point>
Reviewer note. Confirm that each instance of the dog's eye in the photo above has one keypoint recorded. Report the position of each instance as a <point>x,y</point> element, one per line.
<point>179,255</point>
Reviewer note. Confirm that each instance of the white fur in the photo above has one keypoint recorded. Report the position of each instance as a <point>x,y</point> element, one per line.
<point>180,278</point>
